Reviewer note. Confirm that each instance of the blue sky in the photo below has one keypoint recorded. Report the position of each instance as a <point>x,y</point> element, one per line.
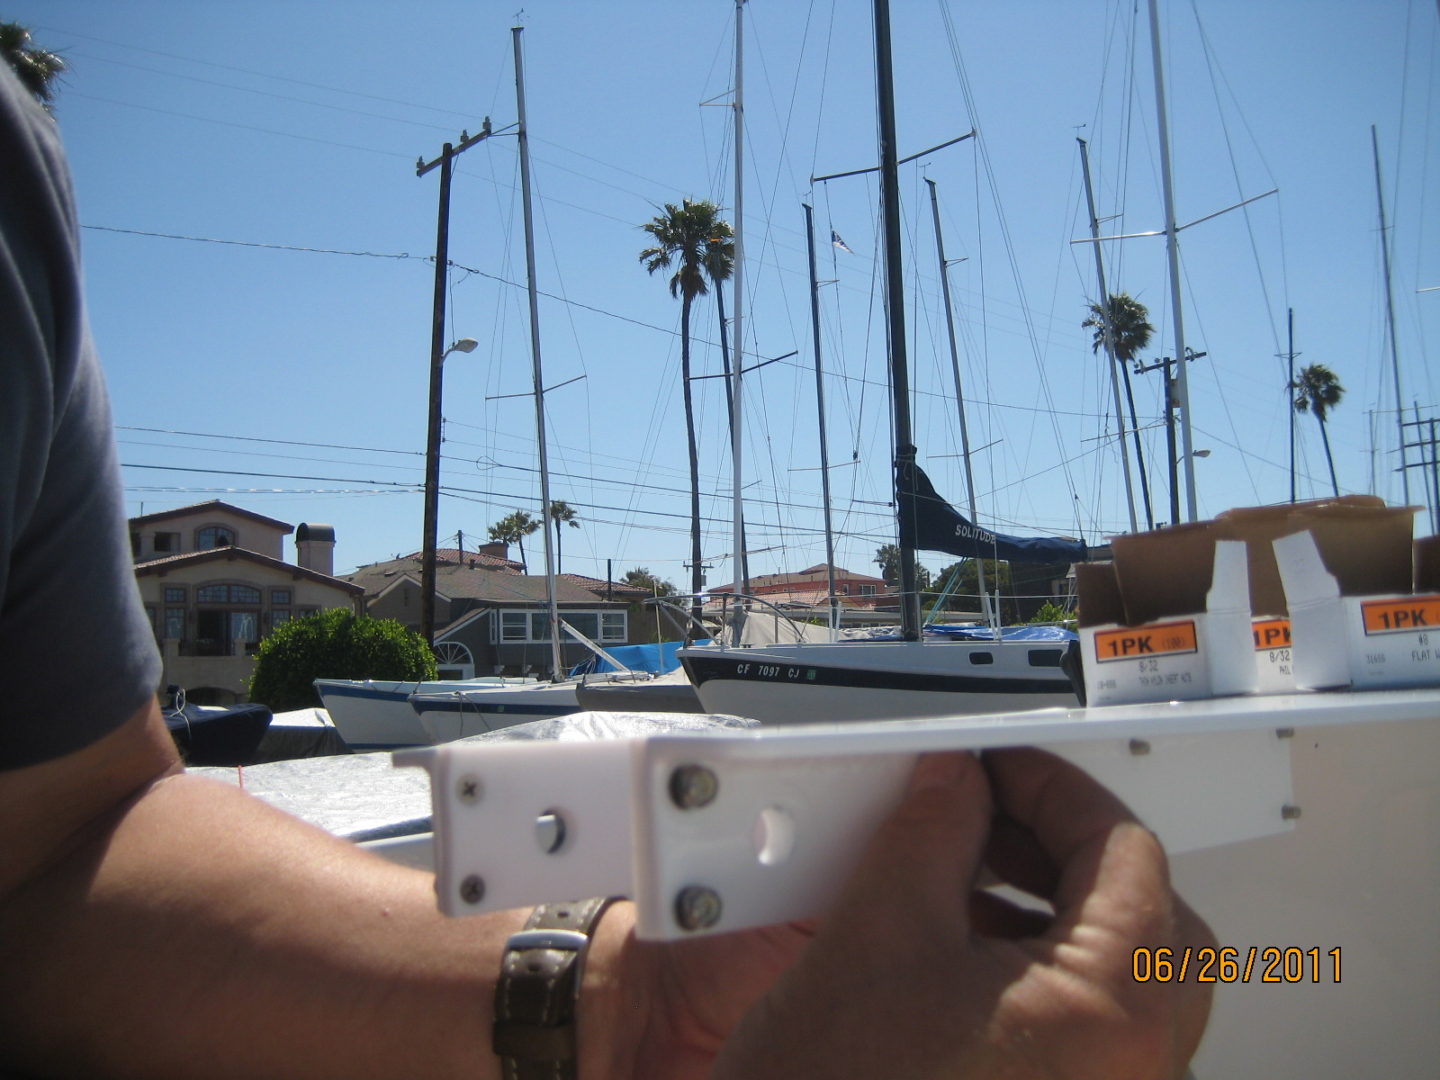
<point>258,244</point>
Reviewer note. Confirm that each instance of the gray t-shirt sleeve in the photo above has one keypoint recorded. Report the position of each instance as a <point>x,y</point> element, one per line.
<point>77,655</point>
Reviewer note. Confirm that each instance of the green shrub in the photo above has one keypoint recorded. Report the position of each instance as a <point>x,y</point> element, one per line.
<point>1051,612</point>
<point>334,644</point>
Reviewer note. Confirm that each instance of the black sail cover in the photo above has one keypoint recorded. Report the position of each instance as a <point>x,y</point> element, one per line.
<point>938,526</point>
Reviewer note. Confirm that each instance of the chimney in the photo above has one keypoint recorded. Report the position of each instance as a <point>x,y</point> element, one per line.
<point>496,549</point>
<point>315,548</point>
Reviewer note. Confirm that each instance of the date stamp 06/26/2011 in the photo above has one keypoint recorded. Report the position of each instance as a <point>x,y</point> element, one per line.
<point>1254,963</point>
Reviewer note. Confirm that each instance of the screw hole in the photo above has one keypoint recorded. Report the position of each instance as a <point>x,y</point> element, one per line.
<point>550,831</point>
<point>774,836</point>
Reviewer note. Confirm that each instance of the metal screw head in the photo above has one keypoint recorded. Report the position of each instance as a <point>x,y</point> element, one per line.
<point>1289,813</point>
<point>467,788</point>
<point>693,786</point>
<point>1139,747</point>
<point>472,889</point>
<point>697,907</point>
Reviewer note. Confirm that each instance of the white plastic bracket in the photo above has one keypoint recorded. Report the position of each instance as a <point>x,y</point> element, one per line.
<point>716,832</point>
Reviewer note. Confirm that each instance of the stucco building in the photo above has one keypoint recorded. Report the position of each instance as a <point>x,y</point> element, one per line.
<point>214,582</point>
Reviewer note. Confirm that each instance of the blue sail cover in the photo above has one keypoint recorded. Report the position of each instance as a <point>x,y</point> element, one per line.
<point>938,526</point>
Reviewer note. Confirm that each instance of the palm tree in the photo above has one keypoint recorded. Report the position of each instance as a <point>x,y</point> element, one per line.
<point>692,238</point>
<point>1130,331</point>
<point>512,529</point>
<point>561,513</point>
<point>36,68</point>
<point>1318,390</point>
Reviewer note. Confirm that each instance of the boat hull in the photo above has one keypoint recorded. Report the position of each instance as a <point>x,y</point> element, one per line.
<point>450,715</point>
<point>823,682</point>
<point>376,715</point>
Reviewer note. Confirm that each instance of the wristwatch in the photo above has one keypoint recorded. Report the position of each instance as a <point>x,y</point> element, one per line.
<point>535,999</point>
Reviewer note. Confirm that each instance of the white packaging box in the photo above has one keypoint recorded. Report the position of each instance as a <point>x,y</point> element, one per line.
<point>1183,657</point>
<point>1368,642</point>
<point>1274,658</point>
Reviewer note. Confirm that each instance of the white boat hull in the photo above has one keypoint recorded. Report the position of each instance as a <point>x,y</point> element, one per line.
<point>824,682</point>
<point>376,715</point>
<point>455,714</point>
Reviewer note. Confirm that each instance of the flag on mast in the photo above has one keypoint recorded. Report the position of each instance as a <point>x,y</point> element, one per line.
<point>835,239</point>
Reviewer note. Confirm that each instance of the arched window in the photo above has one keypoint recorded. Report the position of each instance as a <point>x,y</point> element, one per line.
<point>454,660</point>
<point>214,536</point>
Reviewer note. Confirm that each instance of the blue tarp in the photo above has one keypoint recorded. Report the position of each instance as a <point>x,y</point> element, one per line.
<point>1007,633</point>
<point>658,658</point>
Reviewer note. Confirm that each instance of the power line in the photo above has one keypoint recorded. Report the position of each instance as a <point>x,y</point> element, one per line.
<point>256,438</point>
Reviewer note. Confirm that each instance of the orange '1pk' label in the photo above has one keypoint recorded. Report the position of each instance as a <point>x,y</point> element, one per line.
<point>1396,616</point>
<point>1135,642</point>
<point>1271,634</point>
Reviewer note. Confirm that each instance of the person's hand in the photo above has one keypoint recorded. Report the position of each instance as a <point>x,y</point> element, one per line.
<point>915,973</point>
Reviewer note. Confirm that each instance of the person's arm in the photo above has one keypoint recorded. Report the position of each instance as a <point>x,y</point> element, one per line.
<point>158,924</point>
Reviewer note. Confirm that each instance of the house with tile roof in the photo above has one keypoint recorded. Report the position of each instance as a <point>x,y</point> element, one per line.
<point>214,582</point>
<point>491,619</point>
<point>811,589</point>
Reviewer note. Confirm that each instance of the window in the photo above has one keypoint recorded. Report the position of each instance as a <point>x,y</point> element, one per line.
<point>280,597</point>
<point>135,544</point>
<point>154,616</point>
<point>304,611</point>
<point>534,626</point>
<point>586,622</point>
<point>167,542</point>
<point>227,594</point>
<point>175,594</point>
<point>211,536</point>
<point>279,617</point>
<point>982,658</point>
<point>1045,657</point>
<point>867,590</point>
<point>174,622</point>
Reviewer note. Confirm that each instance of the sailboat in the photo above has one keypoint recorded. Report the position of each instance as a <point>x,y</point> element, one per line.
<point>912,678</point>
<point>450,713</point>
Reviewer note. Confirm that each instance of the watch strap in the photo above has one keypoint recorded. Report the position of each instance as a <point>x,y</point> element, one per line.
<point>539,986</point>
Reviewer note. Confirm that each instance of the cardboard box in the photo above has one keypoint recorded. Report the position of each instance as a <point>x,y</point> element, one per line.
<point>1167,620</point>
<point>1339,521</point>
<point>1346,635</point>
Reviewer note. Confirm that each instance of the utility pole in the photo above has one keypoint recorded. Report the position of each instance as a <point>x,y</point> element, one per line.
<point>1172,400</point>
<point>437,363</point>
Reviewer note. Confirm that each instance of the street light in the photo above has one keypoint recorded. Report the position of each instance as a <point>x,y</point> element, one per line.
<point>432,489</point>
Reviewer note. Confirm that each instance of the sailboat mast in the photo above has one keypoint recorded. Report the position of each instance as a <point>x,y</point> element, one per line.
<point>833,600</point>
<point>1290,389</point>
<point>1181,383</point>
<point>742,568</point>
<point>1109,335</point>
<point>895,312</point>
<point>1390,318</point>
<point>959,397</point>
<point>552,606</point>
